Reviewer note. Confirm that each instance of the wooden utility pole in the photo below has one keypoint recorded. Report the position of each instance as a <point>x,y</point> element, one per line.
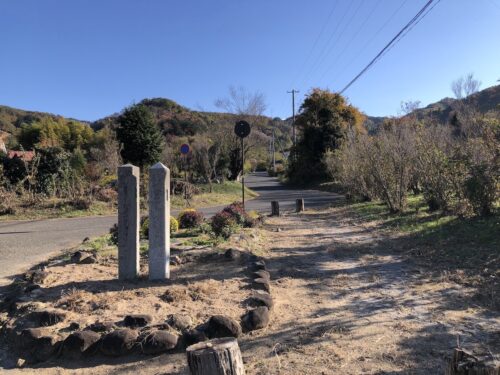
<point>294,133</point>
<point>273,151</point>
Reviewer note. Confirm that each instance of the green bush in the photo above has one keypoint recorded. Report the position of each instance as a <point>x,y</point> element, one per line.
<point>144,230</point>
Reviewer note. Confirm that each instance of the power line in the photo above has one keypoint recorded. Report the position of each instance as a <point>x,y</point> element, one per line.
<point>330,49</point>
<point>339,55</point>
<point>389,45</point>
<point>325,47</point>
<point>372,38</point>
<point>315,42</point>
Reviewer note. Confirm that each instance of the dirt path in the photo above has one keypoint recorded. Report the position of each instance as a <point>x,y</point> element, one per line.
<point>347,303</point>
<point>348,300</point>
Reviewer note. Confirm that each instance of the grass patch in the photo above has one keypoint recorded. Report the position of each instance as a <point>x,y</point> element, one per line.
<point>59,208</point>
<point>467,242</point>
<point>224,193</point>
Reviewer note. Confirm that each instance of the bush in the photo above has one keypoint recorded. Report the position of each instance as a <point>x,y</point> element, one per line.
<point>190,218</point>
<point>174,225</point>
<point>237,211</point>
<point>224,224</point>
<point>113,238</point>
<point>144,230</point>
<point>106,195</point>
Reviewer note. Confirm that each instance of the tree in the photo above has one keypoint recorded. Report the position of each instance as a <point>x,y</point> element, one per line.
<point>250,107</point>
<point>464,87</point>
<point>139,136</point>
<point>242,102</point>
<point>323,121</point>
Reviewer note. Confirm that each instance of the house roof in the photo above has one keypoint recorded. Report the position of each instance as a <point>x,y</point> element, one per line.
<point>23,155</point>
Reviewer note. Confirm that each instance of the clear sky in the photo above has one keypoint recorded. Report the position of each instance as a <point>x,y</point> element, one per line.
<point>90,58</point>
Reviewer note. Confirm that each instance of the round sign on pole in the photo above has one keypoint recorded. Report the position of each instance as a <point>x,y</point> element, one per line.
<point>185,149</point>
<point>242,129</point>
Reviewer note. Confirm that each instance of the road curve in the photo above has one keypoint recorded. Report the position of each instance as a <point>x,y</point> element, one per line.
<point>27,242</point>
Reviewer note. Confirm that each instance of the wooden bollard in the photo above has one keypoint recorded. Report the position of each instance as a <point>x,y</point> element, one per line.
<point>299,205</point>
<point>215,357</point>
<point>275,208</point>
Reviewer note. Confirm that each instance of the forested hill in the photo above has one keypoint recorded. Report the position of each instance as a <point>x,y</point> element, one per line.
<point>177,120</point>
<point>13,118</point>
<point>485,100</point>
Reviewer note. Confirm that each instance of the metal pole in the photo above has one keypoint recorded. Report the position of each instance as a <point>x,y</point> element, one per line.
<point>243,173</point>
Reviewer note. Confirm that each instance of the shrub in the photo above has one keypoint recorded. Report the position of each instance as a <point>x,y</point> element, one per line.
<point>106,195</point>
<point>174,225</point>
<point>144,230</point>
<point>237,211</point>
<point>113,238</point>
<point>190,218</point>
<point>224,224</point>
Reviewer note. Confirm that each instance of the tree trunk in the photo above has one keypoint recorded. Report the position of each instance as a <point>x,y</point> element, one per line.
<point>275,208</point>
<point>463,363</point>
<point>215,357</point>
<point>299,205</point>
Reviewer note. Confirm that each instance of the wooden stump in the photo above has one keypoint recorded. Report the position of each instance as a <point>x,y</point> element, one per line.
<point>299,205</point>
<point>463,363</point>
<point>215,357</point>
<point>275,208</point>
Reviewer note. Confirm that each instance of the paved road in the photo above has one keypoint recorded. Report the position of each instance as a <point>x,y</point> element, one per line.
<point>24,243</point>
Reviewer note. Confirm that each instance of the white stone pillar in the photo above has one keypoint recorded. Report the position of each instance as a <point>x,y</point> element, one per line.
<point>159,222</point>
<point>128,222</point>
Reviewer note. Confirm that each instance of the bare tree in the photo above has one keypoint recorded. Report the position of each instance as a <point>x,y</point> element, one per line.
<point>240,101</point>
<point>465,86</point>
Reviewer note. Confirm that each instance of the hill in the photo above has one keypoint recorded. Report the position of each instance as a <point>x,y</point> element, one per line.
<point>13,118</point>
<point>486,100</point>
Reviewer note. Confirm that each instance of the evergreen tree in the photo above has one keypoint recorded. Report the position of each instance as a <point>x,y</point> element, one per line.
<point>140,136</point>
<point>324,119</point>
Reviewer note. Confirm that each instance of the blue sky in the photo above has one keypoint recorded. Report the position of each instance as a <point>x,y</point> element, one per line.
<point>90,58</point>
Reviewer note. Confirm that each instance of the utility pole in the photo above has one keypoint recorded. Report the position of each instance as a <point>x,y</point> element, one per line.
<point>273,157</point>
<point>294,133</point>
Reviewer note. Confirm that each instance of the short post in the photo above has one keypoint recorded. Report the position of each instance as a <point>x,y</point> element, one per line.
<point>159,222</point>
<point>128,222</point>
<point>215,357</point>
<point>299,205</point>
<point>275,208</point>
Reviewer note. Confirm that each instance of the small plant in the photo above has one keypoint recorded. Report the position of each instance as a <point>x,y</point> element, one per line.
<point>190,218</point>
<point>237,211</point>
<point>224,224</point>
<point>174,225</point>
<point>144,232</point>
<point>113,238</point>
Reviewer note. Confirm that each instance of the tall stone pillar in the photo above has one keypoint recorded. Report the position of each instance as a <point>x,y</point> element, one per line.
<point>159,222</point>
<point>128,222</point>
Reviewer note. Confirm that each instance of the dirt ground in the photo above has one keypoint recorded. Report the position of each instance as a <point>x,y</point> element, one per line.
<point>348,300</point>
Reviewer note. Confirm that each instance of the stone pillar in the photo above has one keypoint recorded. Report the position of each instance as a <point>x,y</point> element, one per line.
<point>128,222</point>
<point>159,222</point>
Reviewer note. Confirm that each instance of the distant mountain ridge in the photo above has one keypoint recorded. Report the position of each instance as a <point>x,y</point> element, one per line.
<point>486,100</point>
<point>178,120</point>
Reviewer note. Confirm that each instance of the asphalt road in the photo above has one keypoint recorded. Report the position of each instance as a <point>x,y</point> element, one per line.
<point>24,243</point>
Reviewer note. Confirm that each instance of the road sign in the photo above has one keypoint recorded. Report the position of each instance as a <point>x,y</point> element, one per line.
<point>185,149</point>
<point>242,129</point>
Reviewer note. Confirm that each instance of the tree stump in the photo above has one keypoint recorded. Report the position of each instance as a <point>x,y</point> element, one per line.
<point>299,205</point>
<point>215,357</point>
<point>464,363</point>
<point>275,208</point>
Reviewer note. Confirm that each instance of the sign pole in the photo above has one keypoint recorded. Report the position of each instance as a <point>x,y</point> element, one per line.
<point>242,130</point>
<point>243,172</point>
